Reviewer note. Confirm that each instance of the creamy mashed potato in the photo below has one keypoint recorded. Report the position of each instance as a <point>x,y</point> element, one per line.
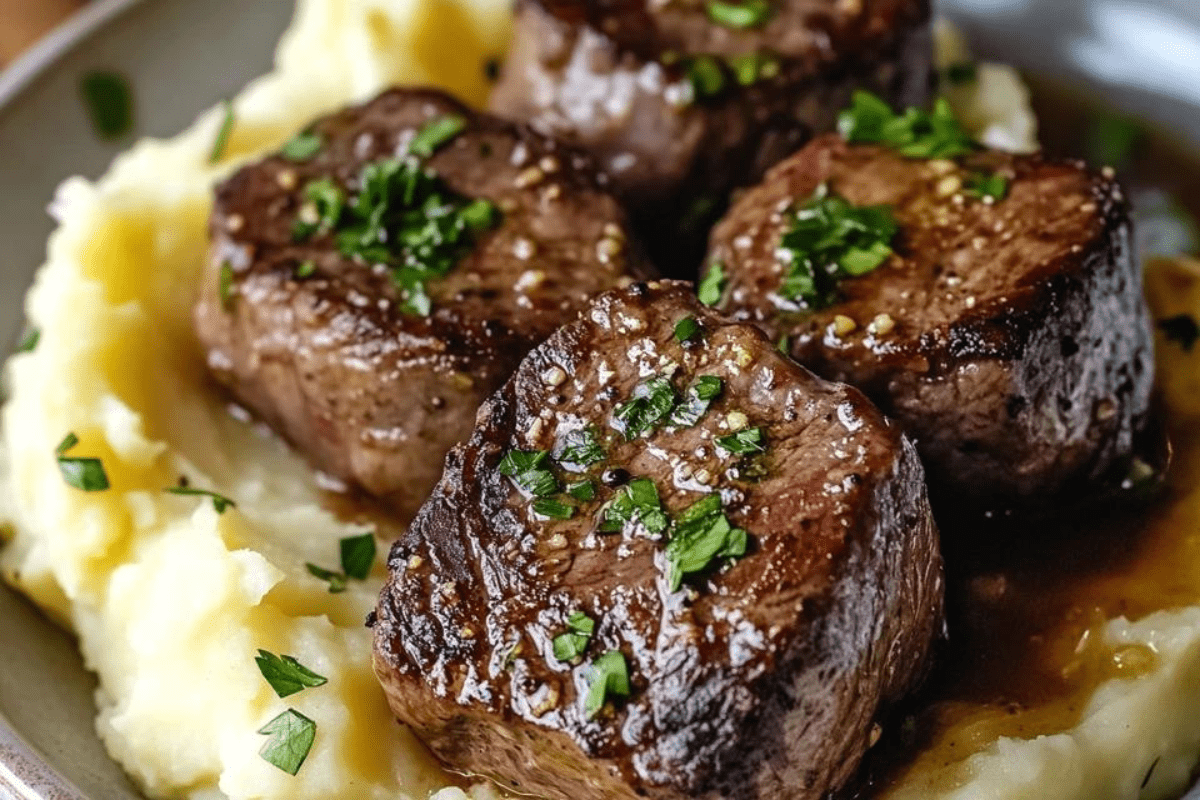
<point>171,600</point>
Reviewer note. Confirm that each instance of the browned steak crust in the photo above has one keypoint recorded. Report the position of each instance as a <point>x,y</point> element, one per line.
<point>1019,349</point>
<point>761,678</point>
<point>372,395</point>
<point>592,72</point>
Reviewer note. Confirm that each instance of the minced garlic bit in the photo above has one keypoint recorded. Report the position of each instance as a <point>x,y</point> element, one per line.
<point>736,420</point>
<point>529,177</point>
<point>415,562</point>
<point>554,376</point>
<point>843,325</point>
<point>882,325</point>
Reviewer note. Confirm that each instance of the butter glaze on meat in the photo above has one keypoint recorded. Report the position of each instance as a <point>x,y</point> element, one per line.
<point>763,681</point>
<point>592,73</point>
<point>1020,350</point>
<point>373,396</point>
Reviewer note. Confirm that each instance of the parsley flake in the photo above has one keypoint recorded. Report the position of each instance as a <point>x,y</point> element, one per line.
<point>706,76</point>
<point>286,675</point>
<point>650,406</point>
<point>750,68</point>
<point>993,187</point>
<point>702,535</point>
<point>336,580</point>
<point>529,470</point>
<point>696,400</point>
<point>713,285</point>
<point>552,508</point>
<point>220,502</point>
<point>358,555</point>
<point>221,143</point>
<point>744,442</point>
<point>292,736</point>
<point>609,679</point>
<point>914,134</point>
<point>572,644</point>
<point>29,341</point>
<point>306,269</point>
<point>109,103</point>
<point>584,490</point>
<point>740,16</point>
<point>303,146</point>
<point>1181,329</point>
<point>829,239</point>
<point>687,330</point>
<point>1113,140</point>
<point>85,474</point>
<point>436,134</point>
<point>636,502</point>
<point>580,448</point>
<point>961,73</point>
<point>225,286</point>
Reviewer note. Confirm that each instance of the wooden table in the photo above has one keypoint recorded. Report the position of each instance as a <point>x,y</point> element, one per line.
<point>22,22</point>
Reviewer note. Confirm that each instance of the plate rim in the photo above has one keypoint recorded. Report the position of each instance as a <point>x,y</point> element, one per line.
<point>25,773</point>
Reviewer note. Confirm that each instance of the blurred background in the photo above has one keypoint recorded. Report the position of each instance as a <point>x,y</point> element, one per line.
<point>22,22</point>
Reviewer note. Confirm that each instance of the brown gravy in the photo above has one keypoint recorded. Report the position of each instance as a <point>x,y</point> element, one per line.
<point>1028,601</point>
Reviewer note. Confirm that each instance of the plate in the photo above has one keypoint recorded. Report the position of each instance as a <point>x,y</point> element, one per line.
<point>182,56</point>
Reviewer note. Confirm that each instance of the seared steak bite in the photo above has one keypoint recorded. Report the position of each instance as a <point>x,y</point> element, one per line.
<point>669,563</point>
<point>1006,329</point>
<point>681,102</point>
<point>374,282</point>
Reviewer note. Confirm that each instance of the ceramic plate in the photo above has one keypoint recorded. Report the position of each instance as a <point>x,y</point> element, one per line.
<point>183,56</point>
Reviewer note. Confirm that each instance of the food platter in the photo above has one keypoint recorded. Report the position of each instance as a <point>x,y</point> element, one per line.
<point>183,57</point>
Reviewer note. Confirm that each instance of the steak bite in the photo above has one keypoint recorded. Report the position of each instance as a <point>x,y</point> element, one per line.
<point>371,284</point>
<point>681,102</point>
<point>669,563</point>
<point>997,312</point>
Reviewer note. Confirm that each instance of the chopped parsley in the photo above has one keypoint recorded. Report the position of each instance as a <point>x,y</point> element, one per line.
<point>572,644</point>
<point>336,580</point>
<point>220,502</point>
<point>225,286</point>
<point>994,186</point>
<point>713,285</point>
<point>636,502</point>
<point>741,16</point>
<point>750,68</point>
<point>324,203</point>
<point>829,239</point>
<point>650,406</point>
<point>744,442</point>
<point>706,76</point>
<point>436,134</point>
<point>584,490</point>
<point>292,736</point>
<point>530,470</point>
<point>961,73</point>
<point>306,269</point>
<point>702,535</point>
<point>221,143</point>
<point>303,146</point>
<point>29,341</point>
<point>286,675</point>
<point>358,556</point>
<point>403,217</point>
<point>553,508</point>
<point>109,102</point>
<point>687,330</point>
<point>1181,329</point>
<point>1113,140</point>
<point>914,134</point>
<point>580,448</point>
<point>696,400</point>
<point>609,679</point>
<point>85,474</point>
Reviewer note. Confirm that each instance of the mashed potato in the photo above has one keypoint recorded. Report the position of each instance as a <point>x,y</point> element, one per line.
<point>171,600</point>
